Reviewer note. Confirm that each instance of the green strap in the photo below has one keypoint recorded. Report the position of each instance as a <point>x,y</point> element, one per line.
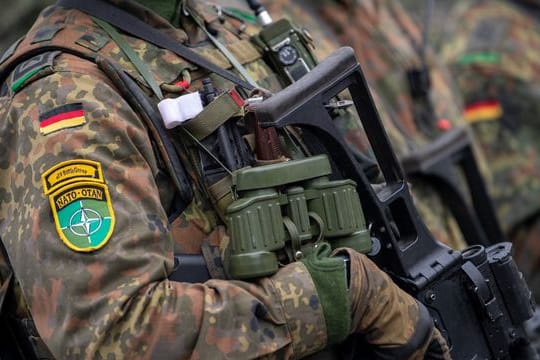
<point>241,70</point>
<point>132,56</point>
<point>329,274</point>
<point>213,116</point>
<point>239,14</point>
<point>145,73</point>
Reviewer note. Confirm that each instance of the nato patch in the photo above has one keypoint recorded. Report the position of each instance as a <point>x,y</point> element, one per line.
<point>83,215</point>
<point>80,203</point>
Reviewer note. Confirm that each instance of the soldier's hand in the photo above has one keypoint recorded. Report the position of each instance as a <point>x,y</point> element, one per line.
<point>437,347</point>
<point>394,323</point>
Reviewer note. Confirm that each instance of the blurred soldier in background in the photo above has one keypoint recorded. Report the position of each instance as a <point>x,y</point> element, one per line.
<point>395,60</point>
<point>493,50</point>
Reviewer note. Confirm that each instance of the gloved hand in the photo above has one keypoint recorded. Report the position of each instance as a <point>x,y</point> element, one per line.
<point>393,323</point>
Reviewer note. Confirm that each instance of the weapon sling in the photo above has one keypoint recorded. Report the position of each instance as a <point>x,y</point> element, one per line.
<point>138,28</point>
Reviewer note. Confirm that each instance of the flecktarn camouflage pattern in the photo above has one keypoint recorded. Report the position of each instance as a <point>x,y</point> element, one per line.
<point>85,199</point>
<point>495,58</point>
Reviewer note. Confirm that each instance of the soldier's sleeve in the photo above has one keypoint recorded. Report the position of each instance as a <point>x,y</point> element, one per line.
<point>89,242</point>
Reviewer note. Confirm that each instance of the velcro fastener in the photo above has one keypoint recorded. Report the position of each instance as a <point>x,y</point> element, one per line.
<point>215,114</point>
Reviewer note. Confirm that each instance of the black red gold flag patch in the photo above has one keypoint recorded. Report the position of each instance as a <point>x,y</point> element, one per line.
<point>483,111</point>
<point>62,117</point>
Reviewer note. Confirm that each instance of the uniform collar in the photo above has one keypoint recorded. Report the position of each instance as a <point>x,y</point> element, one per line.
<point>142,12</point>
<point>205,14</point>
<point>167,9</point>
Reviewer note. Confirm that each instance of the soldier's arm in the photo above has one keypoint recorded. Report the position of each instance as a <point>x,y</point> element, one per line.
<point>117,301</point>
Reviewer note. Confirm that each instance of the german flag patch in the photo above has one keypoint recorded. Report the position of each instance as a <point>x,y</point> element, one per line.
<point>62,117</point>
<point>483,111</point>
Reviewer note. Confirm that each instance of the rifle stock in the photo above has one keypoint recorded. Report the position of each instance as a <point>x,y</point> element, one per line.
<point>470,295</point>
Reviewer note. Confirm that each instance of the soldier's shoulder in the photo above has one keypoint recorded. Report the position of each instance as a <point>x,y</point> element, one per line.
<point>494,35</point>
<point>36,55</point>
<point>27,71</point>
<point>486,29</point>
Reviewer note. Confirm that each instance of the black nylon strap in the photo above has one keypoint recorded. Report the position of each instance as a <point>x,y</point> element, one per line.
<point>138,28</point>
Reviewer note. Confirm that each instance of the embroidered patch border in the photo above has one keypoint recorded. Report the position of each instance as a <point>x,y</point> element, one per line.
<point>83,215</point>
<point>71,171</point>
<point>26,70</point>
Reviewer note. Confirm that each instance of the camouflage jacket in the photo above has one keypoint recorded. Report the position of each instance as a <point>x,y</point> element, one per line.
<point>387,44</point>
<point>495,59</point>
<point>117,301</point>
<point>81,171</point>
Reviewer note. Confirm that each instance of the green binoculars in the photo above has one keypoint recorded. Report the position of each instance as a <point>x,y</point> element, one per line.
<point>283,210</point>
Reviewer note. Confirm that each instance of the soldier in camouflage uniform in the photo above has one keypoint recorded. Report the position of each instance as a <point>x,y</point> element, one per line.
<point>492,48</point>
<point>88,220</point>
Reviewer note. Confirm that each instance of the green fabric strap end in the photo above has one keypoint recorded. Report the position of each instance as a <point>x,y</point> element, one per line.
<point>330,279</point>
<point>480,58</point>
<point>241,14</point>
<point>20,82</point>
<point>213,116</point>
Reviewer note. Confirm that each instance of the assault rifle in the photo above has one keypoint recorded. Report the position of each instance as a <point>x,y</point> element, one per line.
<point>477,297</point>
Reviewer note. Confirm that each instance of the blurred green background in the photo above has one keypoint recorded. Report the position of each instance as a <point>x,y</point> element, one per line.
<point>16,17</point>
